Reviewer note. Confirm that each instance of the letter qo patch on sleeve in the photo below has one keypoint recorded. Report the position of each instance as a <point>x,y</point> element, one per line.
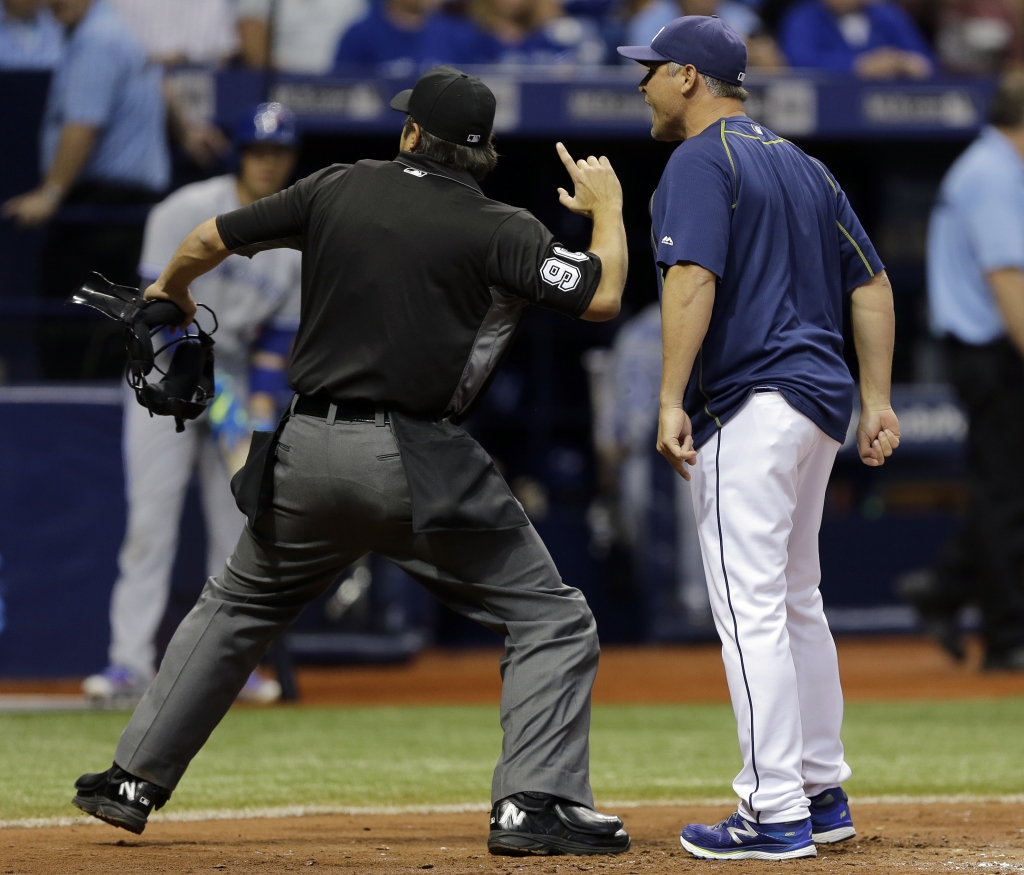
<point>558,273</point>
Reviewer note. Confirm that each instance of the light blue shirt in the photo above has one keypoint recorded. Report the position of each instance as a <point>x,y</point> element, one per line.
<point>29,45</point>
<point>654,16</point>
<point>104,79</point>
<point>977,226</point>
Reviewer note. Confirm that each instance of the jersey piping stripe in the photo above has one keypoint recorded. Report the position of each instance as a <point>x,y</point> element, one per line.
<point>732,164</point>
<point>700,384</point>
<point>821,167</point>
<point>735,624</point>
<point>752,137</point>
<point>846,233</point>
<point>855,246</point>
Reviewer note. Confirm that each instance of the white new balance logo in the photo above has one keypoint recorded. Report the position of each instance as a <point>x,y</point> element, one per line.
<point>127,789</point>
<point>736,832</point>
<point>667,240</point>
<point>511,816</point>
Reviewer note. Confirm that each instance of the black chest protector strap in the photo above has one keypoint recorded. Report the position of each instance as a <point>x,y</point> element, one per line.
<point>187,387</point>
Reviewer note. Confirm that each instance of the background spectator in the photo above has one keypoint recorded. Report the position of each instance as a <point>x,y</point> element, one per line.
<point>976,298</point>
<point>405,35</point>
<point>762,50</point>
<point>185,32</point>
<point>103,145</point>
<point>875,40</point>
<point>535,32</point>
<point>29,37</point>
<point>182,31</point>
<point>303,35</point>
<point>980,36</point>
<point>624,393</point>
<point>653,16</point>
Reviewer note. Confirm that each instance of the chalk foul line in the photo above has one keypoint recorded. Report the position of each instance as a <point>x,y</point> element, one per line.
<point>272,813</point>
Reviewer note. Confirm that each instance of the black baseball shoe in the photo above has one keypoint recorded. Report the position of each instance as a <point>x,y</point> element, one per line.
<point>118,798</point>
<point>524,824</point>
<point>1011,659</point>
<point>939,610</point>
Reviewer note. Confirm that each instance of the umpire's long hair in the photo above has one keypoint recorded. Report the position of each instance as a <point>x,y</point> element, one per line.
<point>477,162</point>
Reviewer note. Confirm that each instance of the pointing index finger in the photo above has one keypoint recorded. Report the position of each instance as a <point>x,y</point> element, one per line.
<point>567,160</point>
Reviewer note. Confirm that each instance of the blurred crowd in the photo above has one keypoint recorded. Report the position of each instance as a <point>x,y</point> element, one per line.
<point>873,39</point>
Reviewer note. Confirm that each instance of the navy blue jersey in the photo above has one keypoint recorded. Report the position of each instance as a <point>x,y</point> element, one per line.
<point>776,229</point>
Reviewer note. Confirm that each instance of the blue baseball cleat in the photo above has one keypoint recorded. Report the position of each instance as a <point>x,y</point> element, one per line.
<point>830,817</point>
<point>740,839</point>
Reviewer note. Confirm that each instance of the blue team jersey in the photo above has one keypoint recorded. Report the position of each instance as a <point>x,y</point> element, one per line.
<point>34,44</point>
<point>376,41</point>
<point>811,36</point>
<point>776,229</point>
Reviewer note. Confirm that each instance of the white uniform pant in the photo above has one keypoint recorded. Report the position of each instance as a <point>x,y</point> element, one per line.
<point>158,467</point>
<point>758,492</point>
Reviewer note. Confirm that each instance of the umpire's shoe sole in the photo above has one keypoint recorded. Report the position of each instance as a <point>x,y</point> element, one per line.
<point>118,798</point>
<point>537,824</point>
<point>112,813</point>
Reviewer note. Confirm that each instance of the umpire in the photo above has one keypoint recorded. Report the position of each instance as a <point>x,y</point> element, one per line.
<point>412,285</point>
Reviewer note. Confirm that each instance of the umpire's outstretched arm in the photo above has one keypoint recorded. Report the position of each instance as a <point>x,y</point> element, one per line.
<point>199,253</point>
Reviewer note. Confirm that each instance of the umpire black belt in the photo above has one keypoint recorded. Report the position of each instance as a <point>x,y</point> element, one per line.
<point>320,408</point>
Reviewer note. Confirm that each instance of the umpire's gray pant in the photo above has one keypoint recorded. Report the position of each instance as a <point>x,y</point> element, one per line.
<point>340,492</point>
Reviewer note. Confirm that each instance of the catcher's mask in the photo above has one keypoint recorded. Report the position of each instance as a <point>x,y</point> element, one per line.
<point>187,386</point>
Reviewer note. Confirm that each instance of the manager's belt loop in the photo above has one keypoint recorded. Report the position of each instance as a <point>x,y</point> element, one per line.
<point>332,413</point>
<point>378,417</point>
<point>295,400</point>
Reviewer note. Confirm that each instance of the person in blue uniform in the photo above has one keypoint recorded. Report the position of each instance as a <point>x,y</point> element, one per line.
<point>406,33</point>
<point>976,299</point>
<point>874,40</point>
<point>103,144</point>
<point>756,248</point>
<point>30,39</point>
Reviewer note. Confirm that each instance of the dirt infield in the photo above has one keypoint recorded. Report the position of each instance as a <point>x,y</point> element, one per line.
<point>872,669</point>
<point>936,837</point>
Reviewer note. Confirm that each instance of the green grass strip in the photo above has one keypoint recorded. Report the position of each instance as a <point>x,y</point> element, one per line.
<point>444,755</point>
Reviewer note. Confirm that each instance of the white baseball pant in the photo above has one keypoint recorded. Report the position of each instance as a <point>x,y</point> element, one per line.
<point>158,465</point>
<point>758,493</point>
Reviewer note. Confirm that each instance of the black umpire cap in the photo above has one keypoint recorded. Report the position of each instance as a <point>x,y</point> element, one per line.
<point>451,105</point>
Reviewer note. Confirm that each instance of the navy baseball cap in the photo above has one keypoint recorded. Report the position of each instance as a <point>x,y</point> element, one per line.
<point>707,42</point>
<point>267,123</point>
<point>450,105</point>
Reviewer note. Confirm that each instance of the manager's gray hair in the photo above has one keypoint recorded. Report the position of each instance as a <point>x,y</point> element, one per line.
<point>716,87</point>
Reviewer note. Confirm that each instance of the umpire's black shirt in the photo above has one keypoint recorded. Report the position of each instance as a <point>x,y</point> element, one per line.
<point>412,280</point>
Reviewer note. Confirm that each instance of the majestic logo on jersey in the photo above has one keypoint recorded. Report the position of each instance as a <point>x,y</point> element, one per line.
<point>557,273</point>
<point>575,256</point>
<point>748,831</point>
<point>473,138</point>
<point>413,172</point>
<point>511,816</point>
<point>667,240</point>
<point>757,130</point>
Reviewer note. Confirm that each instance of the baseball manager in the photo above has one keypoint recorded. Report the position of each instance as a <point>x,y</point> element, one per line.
<point>756,245</point>
<point>412,284</point>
